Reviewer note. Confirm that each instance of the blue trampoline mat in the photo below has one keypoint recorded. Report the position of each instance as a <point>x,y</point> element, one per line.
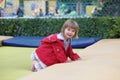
<point>33,41</point>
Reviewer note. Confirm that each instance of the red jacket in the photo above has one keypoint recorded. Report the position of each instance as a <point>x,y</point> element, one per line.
<point>52,51</point>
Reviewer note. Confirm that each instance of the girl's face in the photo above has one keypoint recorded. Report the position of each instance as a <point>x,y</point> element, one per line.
<point>69,33</point>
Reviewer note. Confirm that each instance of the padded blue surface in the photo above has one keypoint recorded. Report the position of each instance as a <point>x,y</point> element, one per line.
<point>23,41</point>
<point>31,41</point>
<point>84,42</point>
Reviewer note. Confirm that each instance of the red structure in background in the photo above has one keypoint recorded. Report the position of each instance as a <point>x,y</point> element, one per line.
<point>1,1</point>
<point>100,0</point>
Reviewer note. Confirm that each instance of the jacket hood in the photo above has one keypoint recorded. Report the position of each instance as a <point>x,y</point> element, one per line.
<point>51,38</point>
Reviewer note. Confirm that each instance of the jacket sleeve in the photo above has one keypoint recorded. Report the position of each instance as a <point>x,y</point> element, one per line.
<point>72,55</point>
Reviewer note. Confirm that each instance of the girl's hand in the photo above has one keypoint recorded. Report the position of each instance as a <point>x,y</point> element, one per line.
<point>78,59</point>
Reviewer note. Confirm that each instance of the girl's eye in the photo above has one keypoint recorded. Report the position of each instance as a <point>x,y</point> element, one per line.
<point>73,30</point>
<point>68,29</point>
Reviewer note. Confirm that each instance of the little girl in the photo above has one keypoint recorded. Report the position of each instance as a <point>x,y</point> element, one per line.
<point>56,48</point>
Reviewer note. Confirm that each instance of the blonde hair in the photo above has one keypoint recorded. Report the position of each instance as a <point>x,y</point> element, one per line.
<point>73,25</point>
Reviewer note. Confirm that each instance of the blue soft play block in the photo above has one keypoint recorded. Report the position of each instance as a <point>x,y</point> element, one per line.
<point>33,41</point>
<point>23,41</point>
<point>84,42</point>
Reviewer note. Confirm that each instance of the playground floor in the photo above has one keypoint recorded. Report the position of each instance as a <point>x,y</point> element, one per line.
<point>15,62</point>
